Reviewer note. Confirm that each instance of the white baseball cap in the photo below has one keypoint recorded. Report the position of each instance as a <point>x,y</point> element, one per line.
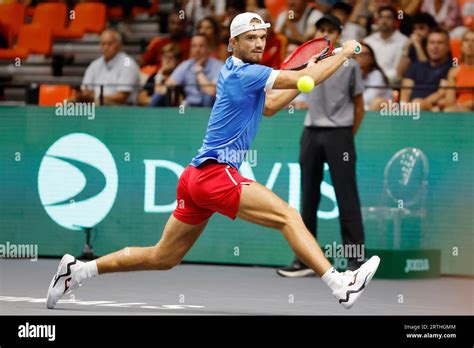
<point>241,24</point>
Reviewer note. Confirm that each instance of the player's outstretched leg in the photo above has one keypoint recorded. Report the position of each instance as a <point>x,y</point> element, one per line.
<point>261,206</point>
<point>177,239</point>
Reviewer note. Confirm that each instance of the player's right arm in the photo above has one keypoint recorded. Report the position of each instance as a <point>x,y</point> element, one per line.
<point>287,79</point>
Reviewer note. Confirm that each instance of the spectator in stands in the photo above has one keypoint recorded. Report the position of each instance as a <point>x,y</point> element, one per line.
<point>372,12</point>
<point>198,74</point>
<point>127,10</point>
<point>154,92</point>
<point>114,70</point>
<point>298,22</point>
<point>275,47</point>
<point>233,8</point>
<point>254,5</point>
<point>466,10</point>
<point>445,12</point>
<point>410,7</point>
<point>462,99</point>
<point>351,31</point>
<point>360,13</point>
<point>210,27</point>
<point>415,48</point>
<point>197,10</point>
<point>372,75</point>
<point>325,6</point>
<point>368,8</point>
<point>388,42</point>
<point>466,13</point>
<point>405,9</point>
<point>430,73</point>
<point>176,30</point>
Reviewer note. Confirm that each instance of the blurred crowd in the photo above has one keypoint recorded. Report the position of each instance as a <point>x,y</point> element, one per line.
<point>414,51</point>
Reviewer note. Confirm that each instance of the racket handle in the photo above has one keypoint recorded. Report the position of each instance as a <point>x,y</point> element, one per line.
<point>357,50</point>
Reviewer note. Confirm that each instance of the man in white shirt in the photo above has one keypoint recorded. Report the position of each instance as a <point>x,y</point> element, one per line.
<point>298,22</point>
<point>388,42</point>
<point>114,70</point>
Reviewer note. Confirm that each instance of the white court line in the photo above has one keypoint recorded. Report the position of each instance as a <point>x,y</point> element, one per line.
<point>172,307</point>
<point>181,306</point>
<point>99,303</point>
<point>16,299</point>
<point>125,305</point>
<point>91,303</point>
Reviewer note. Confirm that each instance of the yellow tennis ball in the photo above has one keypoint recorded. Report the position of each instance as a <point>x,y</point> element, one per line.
<point>305,84</point>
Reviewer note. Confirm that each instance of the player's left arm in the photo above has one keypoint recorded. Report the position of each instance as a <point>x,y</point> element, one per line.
<point>277,100</point>
<point>255,77</point>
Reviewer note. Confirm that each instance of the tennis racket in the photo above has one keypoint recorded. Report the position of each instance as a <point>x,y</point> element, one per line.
<point>299,58</point>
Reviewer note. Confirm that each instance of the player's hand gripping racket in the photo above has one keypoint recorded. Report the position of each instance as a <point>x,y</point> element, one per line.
<point>322,46</point>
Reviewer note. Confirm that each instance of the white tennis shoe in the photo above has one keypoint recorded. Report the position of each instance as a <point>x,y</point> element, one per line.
<point>354,282</point>
<point>64,281</point>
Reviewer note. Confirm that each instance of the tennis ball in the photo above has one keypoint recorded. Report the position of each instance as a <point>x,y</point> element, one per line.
<point>305,84</point>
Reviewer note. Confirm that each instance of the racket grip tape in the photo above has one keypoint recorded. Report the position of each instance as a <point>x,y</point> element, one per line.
<point>358,48</point>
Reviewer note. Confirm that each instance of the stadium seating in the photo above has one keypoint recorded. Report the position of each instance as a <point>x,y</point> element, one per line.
<point>53,15</point>
<point>12,16</point>
<point>89,17</point>
<point>275,7</point>
<point>117,13</point>
<point>49,95</point>
<point>32,38</point>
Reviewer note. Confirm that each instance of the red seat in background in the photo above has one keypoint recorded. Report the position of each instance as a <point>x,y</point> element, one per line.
<point>89,17</point>
<point>32,38</point>
<point>52,14</point>
<point>12,17</point>
<point>49,95</point>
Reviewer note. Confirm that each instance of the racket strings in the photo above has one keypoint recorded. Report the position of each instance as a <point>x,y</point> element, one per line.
<point>303,54</point>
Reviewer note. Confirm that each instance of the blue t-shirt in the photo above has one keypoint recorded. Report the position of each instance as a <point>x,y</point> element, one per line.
<point>425,74</point>
<point>236,114</point>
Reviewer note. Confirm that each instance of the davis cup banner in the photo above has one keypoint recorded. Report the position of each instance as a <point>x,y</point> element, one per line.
<point>117,172</point>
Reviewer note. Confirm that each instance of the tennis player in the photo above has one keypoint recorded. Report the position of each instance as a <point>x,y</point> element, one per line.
<point>212,183</point>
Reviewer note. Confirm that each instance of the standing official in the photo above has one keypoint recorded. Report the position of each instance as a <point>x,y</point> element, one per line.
<point>335,112</point>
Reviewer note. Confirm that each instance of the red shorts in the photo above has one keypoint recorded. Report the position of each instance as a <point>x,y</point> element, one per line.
<point>212,187</point>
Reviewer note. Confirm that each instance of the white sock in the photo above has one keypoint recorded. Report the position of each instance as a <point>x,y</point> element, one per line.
<point>332,279</point>
<point>87,271</point>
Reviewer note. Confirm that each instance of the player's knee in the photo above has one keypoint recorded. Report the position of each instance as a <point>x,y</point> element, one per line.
<point>164,261</point>
<point>289,216</point>
<point>166,265</point>
<point>294,214</point>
